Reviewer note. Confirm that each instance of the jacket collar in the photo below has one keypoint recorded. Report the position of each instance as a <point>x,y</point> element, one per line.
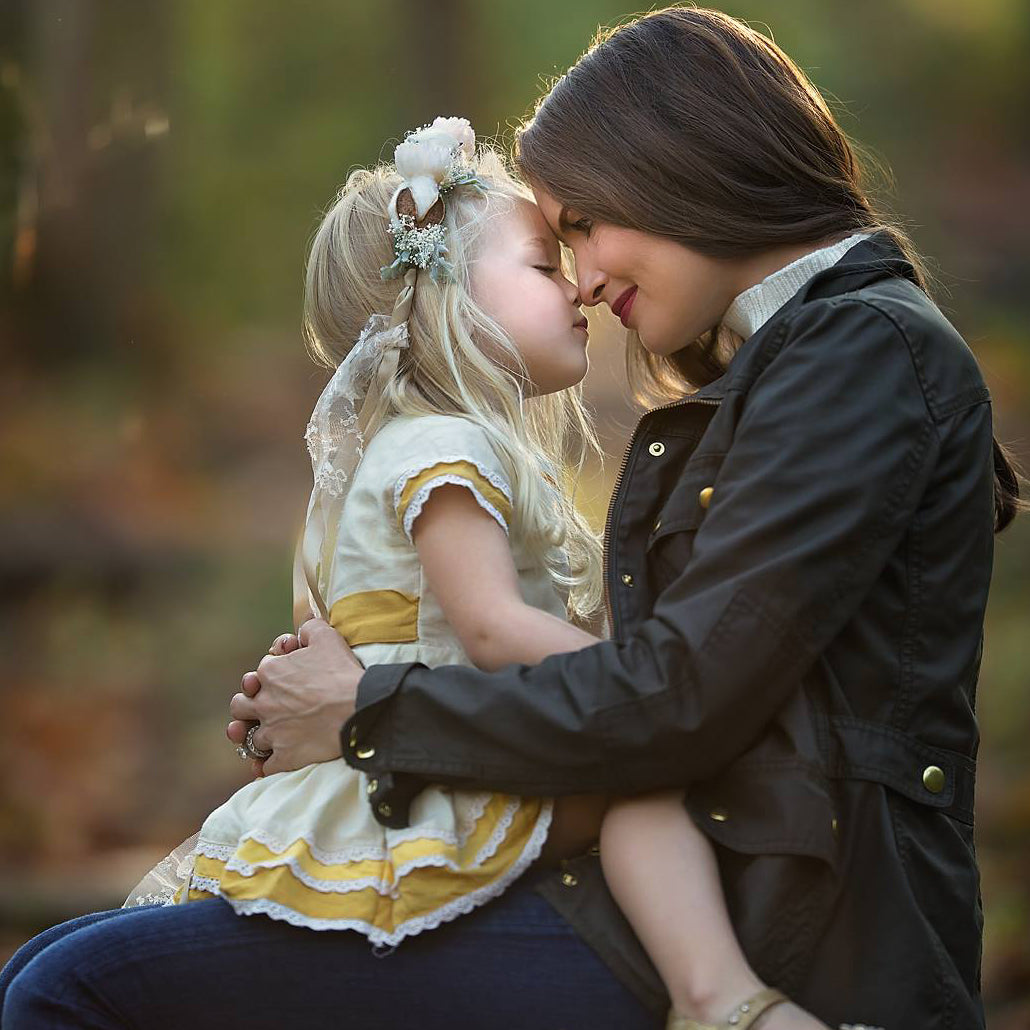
<point>872,260</point>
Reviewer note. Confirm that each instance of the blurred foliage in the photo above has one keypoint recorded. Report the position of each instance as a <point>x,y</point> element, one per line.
<point>162,167</point>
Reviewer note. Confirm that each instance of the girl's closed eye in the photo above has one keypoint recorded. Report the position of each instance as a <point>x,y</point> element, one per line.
<point>583,225</point>
<point>546,269</point>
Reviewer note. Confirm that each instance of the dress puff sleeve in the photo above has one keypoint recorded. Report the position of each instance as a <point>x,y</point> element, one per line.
<point>434,450</point>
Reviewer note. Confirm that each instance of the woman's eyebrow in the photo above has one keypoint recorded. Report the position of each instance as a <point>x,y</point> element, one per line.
<point>563,223</point>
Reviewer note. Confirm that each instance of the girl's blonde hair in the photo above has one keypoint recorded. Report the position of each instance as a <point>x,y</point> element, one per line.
<point>459,361</point>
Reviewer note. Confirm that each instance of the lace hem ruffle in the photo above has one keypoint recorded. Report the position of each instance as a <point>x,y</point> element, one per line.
<point>467,821</point>
<point>386,886</point>
<point>377,936</point>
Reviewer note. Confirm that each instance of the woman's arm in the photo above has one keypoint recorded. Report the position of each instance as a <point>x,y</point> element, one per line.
<point>832,452</point>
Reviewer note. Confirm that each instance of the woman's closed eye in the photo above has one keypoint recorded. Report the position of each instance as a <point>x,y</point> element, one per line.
<point>583,225</point>
<point>546,269</point>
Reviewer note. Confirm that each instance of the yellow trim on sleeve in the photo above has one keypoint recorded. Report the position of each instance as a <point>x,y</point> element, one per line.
<point>464,469</point>
<point>376,617</point>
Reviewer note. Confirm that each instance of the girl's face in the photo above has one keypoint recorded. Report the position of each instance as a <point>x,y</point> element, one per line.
<point>667,293</point>
<point>517,280</point>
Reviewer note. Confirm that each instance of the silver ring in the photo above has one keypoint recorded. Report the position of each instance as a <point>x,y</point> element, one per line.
<point>248,748</point>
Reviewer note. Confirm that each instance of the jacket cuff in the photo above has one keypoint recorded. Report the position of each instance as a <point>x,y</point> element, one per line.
<point>366,741</point>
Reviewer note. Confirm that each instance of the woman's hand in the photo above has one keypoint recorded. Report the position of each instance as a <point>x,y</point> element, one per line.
<point>301,693</point>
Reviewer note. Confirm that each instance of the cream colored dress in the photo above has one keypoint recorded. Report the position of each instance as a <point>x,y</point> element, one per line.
<point>303,846</point>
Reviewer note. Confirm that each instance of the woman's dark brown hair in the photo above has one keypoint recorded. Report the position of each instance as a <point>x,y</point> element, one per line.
<point>688,124</point>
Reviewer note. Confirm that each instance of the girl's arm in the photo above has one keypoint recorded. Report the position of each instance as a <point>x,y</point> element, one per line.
<point>467,561</point>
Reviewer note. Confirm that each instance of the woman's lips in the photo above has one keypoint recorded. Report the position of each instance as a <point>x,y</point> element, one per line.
<point>621,308</point>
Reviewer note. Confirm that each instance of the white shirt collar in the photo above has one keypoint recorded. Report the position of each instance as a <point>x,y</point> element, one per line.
<point>754,307</point>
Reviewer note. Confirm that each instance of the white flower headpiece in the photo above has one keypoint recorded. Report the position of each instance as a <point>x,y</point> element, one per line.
<point>432,161</point>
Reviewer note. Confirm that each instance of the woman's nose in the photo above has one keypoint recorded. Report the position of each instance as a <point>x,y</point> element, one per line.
<point>591,287</point>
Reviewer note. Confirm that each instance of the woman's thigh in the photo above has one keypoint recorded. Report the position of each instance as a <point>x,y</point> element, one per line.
<point>514,963</point>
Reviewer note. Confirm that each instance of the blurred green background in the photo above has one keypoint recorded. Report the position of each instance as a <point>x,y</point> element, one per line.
<point>162,166</point>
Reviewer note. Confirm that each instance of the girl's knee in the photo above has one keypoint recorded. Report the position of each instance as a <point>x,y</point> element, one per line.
<point>641,807</point>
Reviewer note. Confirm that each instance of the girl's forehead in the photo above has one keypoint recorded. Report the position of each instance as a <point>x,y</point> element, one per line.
<point>521,225</point>
<point>529,221</point>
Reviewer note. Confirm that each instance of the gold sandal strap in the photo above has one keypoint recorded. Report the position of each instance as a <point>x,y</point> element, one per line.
<point>742,1017</point>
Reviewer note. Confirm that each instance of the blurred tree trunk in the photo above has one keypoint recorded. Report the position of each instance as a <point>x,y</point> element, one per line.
<point>441,70</point>
<point>86,195</point>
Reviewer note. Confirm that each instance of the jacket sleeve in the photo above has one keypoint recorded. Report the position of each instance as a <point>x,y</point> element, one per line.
<point>831,454</point>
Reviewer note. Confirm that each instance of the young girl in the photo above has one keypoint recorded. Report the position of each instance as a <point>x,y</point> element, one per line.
<point>437,533</point>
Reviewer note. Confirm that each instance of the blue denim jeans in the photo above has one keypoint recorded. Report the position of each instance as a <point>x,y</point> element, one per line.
<point>514,963</point>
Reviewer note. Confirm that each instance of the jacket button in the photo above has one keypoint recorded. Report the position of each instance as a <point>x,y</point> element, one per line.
<point>627,579</point>
<point>354,736</point>
<point>595,849</point>
<point>365,752</point>
<point>657,449</point>
<point>933,779</point>
<point>704,498</point>
<point>657,525</point>
<point>835,826</point>
<point>372,786</point>
<point>720,815</point>
<point>384,809</point>
<point>569,879</point>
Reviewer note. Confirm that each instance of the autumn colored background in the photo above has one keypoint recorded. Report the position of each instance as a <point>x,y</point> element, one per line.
<point>162,166</point>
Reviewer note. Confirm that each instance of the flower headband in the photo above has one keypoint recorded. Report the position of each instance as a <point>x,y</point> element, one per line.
<point>432,161</point>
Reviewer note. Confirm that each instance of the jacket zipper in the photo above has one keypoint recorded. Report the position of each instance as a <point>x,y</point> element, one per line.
<point>615,504</point>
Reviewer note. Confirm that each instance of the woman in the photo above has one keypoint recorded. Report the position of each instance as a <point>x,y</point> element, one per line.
<point>798,564</point>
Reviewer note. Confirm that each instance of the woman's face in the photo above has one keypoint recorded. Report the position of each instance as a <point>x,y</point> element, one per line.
<point>667,293</point>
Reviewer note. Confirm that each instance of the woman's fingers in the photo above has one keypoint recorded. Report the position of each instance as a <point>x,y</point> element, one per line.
<point>236,731</point>
<point>250,684</point>
<point>244,708</point>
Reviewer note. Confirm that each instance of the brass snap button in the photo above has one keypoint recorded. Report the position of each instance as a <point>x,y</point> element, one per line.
<point>384,809</point>
<point>934,779</point>
<point>365,752</point>
<point>627,579</point>
<point>354,736</point>
<point>835,826</point>
<point>657,525</point>
<point>657,448</point>
<point>719,815</point>
<point>569,879</point>
<point>704,498</point>
<point>372,786</point>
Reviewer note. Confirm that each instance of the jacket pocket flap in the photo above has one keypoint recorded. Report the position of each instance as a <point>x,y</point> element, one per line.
<point>687,505</point>
<point>932,776</point>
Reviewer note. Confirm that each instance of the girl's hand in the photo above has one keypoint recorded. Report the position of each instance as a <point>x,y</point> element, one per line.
<point>285,643</point>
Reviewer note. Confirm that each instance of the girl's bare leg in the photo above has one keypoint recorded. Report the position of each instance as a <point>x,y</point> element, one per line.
<point>662,872</point>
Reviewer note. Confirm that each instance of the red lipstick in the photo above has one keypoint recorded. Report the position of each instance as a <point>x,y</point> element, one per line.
<point>621,307</point>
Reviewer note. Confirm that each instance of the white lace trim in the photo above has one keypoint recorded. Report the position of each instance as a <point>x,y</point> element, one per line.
<point>387,886</point>
<point>418,501</point>
<point>364,850</point>
<point>446,913</point>
<point>489,849</point>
